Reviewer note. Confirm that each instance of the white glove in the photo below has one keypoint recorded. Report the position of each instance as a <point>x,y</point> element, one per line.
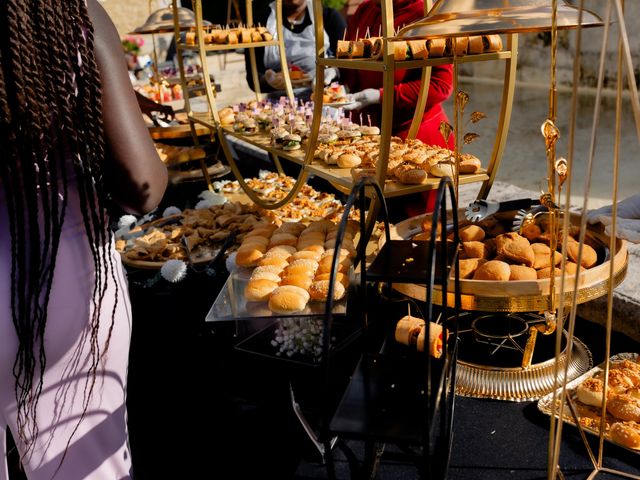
<point>330,74</point>
<point>275,80</point>
<point>368,96</point>
<point>628,222</point>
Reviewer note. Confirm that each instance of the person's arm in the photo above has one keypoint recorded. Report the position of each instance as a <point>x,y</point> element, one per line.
<point>136,176</point>
<point>440,88</point>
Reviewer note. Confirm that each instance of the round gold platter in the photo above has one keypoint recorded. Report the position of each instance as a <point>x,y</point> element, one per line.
<point>522,295</point>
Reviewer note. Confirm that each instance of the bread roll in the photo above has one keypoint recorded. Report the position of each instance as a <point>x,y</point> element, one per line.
<point>469,164</point>
<point>265,275</point>
<point>300,269</point>
<point>259,290</point>
<point>254,241</point>
<point>304,261</point>
<point>626,434</point>
<point>468,267</point>
<point>299,280</point>
<point>249,256</point>
<point>531,232</point>
<point>475,249</point>
<point>319,290</point>
<point>264,230</point>
<point>348,160</point>
<point>295,228</point>
<point>314,248</point>
<point>520,272</point>
<point>542,254</point>
<point>590,391</point>
<point>471,233</point>
<point>443,170</point>
<point>589,255</point>
<point>546,272</point>
<point>288,299</point>
<point>283,239</point>
<point>306,255</point>
<point>493,270</point>
<point>408,173</point>
<point>516,248</point>
<point>340,277</point>
<point>282,251</point>
<point>624,407</point>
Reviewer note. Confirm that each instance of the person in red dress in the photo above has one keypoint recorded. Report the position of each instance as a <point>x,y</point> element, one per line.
<point>366,87</point>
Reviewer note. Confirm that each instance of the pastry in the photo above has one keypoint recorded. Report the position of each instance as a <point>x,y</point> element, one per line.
<point>468,266</point>
<point>590,391</point>
<point>471,233</point>
<point>340,277</point>
<point>299,280</point>
<point>476,45</point>
<point>516,248</point>
<point>475,249</point>
<point>407,330</point>
<point>626,434</point>
<point>435,339</point>
<point>521,272</point>
<point>436,47</point>
<point>418,49</point>
<point>493,270</point>
<point>589,255</point>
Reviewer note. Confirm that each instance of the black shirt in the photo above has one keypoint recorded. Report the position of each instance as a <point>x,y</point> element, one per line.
<point>334,25</point>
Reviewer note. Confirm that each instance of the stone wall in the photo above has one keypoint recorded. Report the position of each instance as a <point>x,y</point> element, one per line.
<point>534,52</point>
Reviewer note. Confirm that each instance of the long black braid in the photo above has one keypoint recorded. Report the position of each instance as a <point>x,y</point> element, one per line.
<point>50,111</point>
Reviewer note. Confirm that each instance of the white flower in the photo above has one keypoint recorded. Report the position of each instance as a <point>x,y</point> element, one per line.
<point>126,221</point>
<point>171,211</point>
<point>230,262</point>
<point>212,197</point>
<point>174,270</point>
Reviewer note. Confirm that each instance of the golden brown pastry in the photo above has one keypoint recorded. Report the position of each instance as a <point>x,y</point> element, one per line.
<point>476,249</point>
<point>589,255</point>
<point>543,256</point>
<point>476,45</point>
<point>340,277</point>
<point>468,266</point>
<point>471,233</point>
<point>306,254</point>
<point>283,251</point>
<point>521,272</point>
<point>531,232</point>
<point>624,407</point>
<point>626,434</point>
<point>283,239</point>
<point>407,330</point>
<point>299,280</point>
<point>435,339</point>
<point>590,391</point>
<point>493,270</point>
<point>273,260</point>
<point>516,248</point>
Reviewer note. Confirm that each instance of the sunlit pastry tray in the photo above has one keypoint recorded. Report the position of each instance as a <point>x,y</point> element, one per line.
<point>545,404</point>
<point>523,295</point>
<point>231,303</point>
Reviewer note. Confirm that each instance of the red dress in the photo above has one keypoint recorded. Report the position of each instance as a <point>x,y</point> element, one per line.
<point>406,88</point>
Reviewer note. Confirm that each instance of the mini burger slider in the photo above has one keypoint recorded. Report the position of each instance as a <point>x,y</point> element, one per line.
<point>292,142</point>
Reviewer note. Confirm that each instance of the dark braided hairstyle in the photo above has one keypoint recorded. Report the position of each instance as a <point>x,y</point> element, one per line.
<point>51,135</point>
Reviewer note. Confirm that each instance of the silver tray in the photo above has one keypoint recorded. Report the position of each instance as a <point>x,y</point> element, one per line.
<point>518,384</point>
<point>545,403</point>
<point>232,305</point>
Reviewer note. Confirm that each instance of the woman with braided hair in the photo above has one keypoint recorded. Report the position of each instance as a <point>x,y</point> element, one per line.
<point>73,143</point>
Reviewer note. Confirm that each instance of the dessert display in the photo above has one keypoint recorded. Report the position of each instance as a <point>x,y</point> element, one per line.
<point>622,417</point>
<point>291,264</point>
<point>372,47</point>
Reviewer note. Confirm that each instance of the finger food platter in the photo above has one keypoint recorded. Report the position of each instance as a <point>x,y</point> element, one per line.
<point>523,295</point>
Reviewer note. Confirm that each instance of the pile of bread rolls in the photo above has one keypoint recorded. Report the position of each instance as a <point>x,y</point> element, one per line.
<point>622,422</point>
<point>292,264</point>
<point>490,252</point>
<point>373,47</point>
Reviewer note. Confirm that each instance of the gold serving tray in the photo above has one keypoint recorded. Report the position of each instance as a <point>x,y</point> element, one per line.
<point>545,404</point>
<point>520,384</point>
<point>523,295</point>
